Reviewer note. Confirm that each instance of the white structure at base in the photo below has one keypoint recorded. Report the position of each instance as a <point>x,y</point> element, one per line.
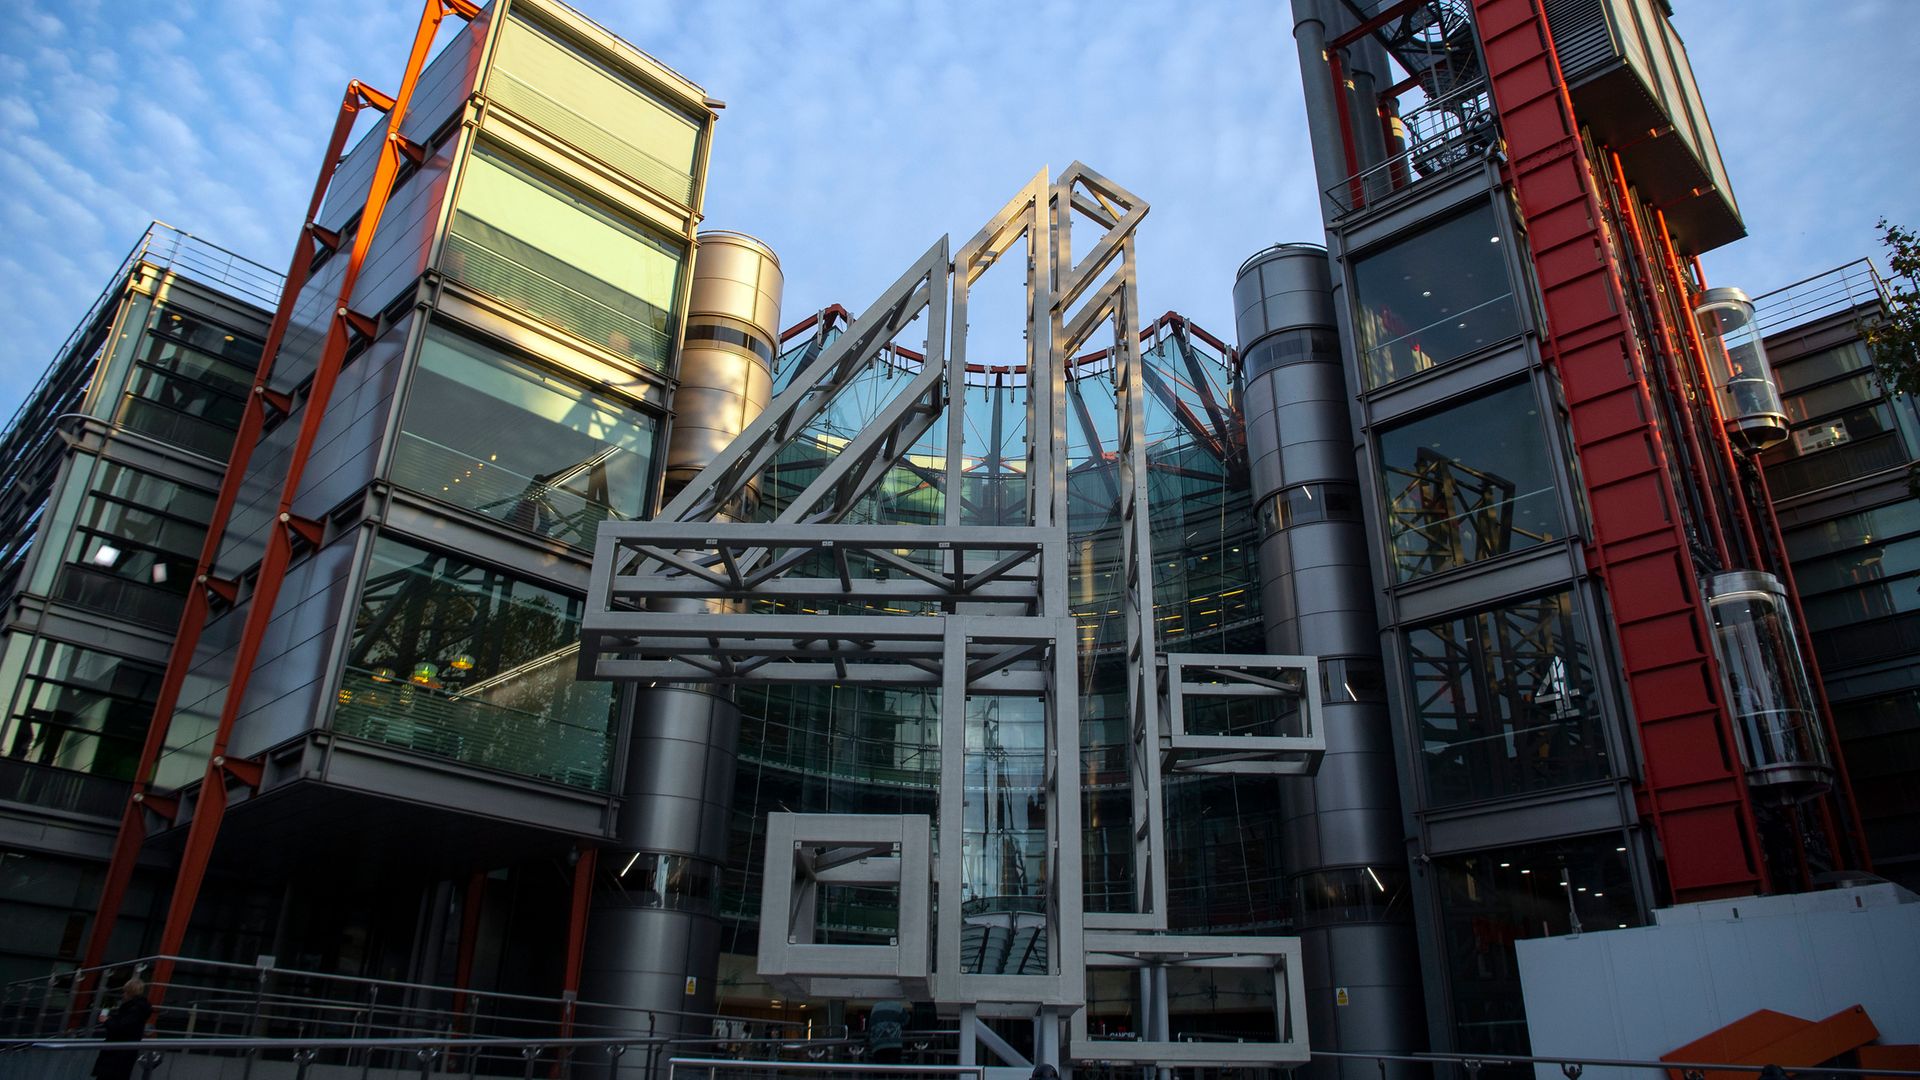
<point>1639,993</point>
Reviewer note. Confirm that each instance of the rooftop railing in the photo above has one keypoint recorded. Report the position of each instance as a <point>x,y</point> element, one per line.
<point>1453,130</point>
<point>1844,288</point>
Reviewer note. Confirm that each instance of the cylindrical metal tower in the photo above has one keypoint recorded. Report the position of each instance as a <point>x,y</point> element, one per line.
<point>1343,826</point>
<point>654,934</point>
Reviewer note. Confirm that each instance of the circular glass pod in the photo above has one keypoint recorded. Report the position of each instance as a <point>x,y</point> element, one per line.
<point>1737,362</point>
<point>1768,691</point>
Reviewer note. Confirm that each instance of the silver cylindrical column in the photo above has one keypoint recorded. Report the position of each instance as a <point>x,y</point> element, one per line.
<point>653,937</point>
<point>726,366</point>
<point>1343,826</point>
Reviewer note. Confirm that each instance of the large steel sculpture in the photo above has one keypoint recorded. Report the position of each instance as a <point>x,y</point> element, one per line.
<point>701,594</point>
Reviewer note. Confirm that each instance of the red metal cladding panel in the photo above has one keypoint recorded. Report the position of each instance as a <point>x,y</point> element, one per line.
<point>1693,788</point>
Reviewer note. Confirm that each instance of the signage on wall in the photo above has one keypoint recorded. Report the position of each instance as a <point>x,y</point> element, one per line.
<point>1555,691</point>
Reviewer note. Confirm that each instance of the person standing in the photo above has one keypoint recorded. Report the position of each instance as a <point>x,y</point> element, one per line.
<point>126,1023</point>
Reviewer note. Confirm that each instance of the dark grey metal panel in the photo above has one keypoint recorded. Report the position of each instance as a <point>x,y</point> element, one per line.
<point>1569,812</point>
<point>1480,586</point>
<point>1460,379</point>
<point>399,774</point>
<point>284,696</point>
<point>347,448</point>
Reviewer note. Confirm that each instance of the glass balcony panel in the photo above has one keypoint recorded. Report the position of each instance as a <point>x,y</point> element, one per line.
<point>460,661</point>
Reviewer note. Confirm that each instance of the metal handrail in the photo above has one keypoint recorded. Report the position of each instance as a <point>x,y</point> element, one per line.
<point>1847,287</point>
<point>1472,1062</point>
<point>1434,143</point>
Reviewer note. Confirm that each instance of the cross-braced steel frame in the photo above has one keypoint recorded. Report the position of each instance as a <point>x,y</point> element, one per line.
<point>980,611</point>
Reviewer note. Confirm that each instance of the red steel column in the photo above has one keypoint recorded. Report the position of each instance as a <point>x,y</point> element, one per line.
<point>1695,789</point>
<point>211,804</point>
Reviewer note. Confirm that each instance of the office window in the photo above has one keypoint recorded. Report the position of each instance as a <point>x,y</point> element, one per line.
<point>1491,899</point>
<point>1505,701</point>
<point>520,444</point>
<point>134,546</point>
<point>190,382</point>
<point>1805,371</point>
<point>81,709</point>
<point>1469,483</point>
<point>461,661</point>
<point>1836,448</point>
<point>563,258</point>
<point>1434,297</point>
<point>543,77</point>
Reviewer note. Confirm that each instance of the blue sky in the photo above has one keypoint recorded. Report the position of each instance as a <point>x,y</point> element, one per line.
<point>856,133</point>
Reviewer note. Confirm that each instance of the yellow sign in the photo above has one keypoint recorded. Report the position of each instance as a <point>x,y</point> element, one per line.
<point>694,984</point>
<point>1339,994</point>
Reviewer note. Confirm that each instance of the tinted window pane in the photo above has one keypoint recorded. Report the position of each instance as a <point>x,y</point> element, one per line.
<point>1505,702</point>
<point>1469,483</point>
<point>544,78</point>
<point>460,661</point>
<point>134,546</point>
<point>1820,366</point>
<point>1492,899</point>
<point>190,382</point>
<point>562,258</point>
<point>81,709</point>
<point>1433,298</point>
<point>520,445</point>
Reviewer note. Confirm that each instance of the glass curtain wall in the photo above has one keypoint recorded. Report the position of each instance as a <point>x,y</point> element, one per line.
<point>1859,581</point>
<point>1842,427</point>
<point>1469,483</point>
<point>80,709</point>
<point>520,444</point>
<point>134,545</point>
<point>1434,297</point>
<point>1491,899</point>
<point>1505,703</point>
<point>190,382</point>
<point>461,661</point>
<point>536,244</point>
<point>542,76</point>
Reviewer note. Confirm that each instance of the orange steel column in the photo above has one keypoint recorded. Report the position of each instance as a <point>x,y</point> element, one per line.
<point>211,805</point>
<point>583,875</point>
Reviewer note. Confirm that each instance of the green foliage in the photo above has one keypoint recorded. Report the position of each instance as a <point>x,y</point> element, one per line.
<point>1895,339</point>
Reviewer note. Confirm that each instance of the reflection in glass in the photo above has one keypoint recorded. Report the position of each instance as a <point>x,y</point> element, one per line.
<point>1004,866</point>
<point>1505,701</point>
<point>135,546</point>
<point>566,90</point>
<point>1492,899</point>
<point>1434,297</point>
<point>190,382</point>
<point>517,708</point>
<point>1469,483</point>
<point>80,709</point>
<point>541,247</point>
<point>520,445</point>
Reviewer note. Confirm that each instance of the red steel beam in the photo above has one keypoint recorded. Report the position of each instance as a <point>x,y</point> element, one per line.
<point>583,872</point>
<point>211,804</point>
<point>1694,788</point>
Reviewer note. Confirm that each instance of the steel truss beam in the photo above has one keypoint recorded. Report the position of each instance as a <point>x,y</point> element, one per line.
<point>981,612</point>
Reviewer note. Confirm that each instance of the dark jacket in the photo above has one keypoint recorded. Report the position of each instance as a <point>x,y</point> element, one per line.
<point>127,1023</point>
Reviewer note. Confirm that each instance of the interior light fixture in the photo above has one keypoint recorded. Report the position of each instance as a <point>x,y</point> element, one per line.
<point>158,573</point>
<point>106,555</point>
<point>1526,871</point>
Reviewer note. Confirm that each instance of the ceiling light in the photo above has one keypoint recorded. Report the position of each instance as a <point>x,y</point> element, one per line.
<point>106,555</point>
